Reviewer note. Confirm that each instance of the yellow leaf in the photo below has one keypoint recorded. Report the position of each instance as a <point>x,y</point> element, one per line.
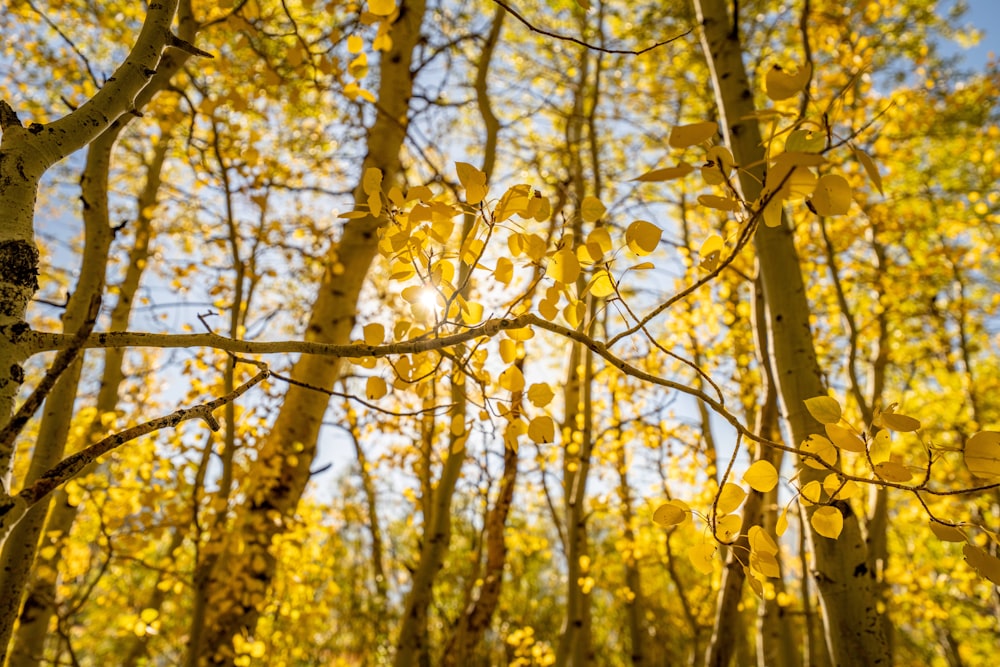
<point>719,164</point>
<point>824,409</point>
<point>564,266</point>
<point>372,182</point>
<point>947,533</point>
<point>821,447</point>
<point>375,388</point>
<point>765,563</point>
<point>899,423</point>
<point>508,350</point>
<point>880,447</point>
<point>354,44</point>
<point>845,438</point>
<point>472,312</point>
<point>832,195</point>
<point>574,313</point>
<point>540,394</point>
<point>682,136</point>
<point>702,557</point>
<point>504,271</point>
<point>600,285</point>
<point>780,84</point>
<point>761,476</point>
<point>666,173</point>
<point>891,471</point>
<point>828,522</point>
<point>760,541</point>
<point>985,564</point>
<point>382,7</point>
<point>643,237</point>
<point>542,429</point>
<point>149,615</point>
<point>474,182</point>
<point>374,333</point>
<point>515,201</point>
<point>719,203</point>
<point>805,141</point>
<point>870,168</point>
<point>671,513</point>
<point>591,209</point>
<point>727,528</point>
<point>781,525</point>
<point>730,497</point>
<point>601,237</point>
<point>813,492</point>
<point>982,455</point>
<point>512,379</point>
<point>711,252</point>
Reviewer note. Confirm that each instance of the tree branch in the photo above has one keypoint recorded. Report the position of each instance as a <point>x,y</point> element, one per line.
<point>513,12</point>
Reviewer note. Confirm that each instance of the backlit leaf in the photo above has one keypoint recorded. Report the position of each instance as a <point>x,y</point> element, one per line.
<point>666,173</point>
<point>828,522</point>
<point>512,379</point>
<point>765,563</point>
<point>702,557</point>
<point>711,252</point>
<point>542,429</point>
<point>591,209</point>
<point>982,455</point>
<point>642,237</point>
<point>374,333</point>
<point>900,423</point>
<point>805,141</point>
<point>671,513</point>
<point>947,533</point>
<point>727,528</point>
<point>845,438</point>
<point>880,447</point>
<point>832,195</point>
<point>761,541</point>
<point>821,447</point>
<point>564,266</point>
<point>682,136</point>
<point>824,409</point>
<point>761,476</point>
<point>780,84</point>
<point>891,471</point>
<point>730,497</point>
<point>375,388</point>
<point>540,394</point>
<point>870,168</point>
<point>985,564</point>
<point>474,182</point>
<point>600,285</point>
<point>719,203</point>
<point>382,7</point>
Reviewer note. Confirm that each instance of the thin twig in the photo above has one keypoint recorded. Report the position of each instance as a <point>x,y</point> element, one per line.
<point>593,47</point>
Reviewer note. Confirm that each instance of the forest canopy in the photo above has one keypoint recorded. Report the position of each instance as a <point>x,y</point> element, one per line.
<point>424,332</point>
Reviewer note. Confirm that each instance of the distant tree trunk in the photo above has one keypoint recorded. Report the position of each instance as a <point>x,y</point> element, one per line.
<point>244,572</point>
<point>853,624</point>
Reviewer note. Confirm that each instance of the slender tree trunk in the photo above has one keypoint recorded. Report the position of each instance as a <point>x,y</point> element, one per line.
<point>39,605</point>
<point>244,571</point>
<point>853,624</point>
<point>25,154</point>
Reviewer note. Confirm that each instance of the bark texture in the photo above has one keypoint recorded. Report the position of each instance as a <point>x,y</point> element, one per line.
<point>853,625</point>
